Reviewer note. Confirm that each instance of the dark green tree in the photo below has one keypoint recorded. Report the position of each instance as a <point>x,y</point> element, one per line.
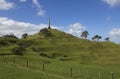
<point>107,39</point>
<point>84,34</point>
<point>45,32</point>
<point>10,36</point>
<point>24,35</point>
<point>97,38</point>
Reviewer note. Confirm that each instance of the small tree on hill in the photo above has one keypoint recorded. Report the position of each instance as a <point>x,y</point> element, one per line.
<point>24,35</point>
<point>45,32</point>
<point>97,38</point>
<point>107,39</point>
<point>10,36</point>
<point>84,34</point>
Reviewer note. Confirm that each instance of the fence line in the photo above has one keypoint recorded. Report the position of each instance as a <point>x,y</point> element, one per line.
<point>46,67</point>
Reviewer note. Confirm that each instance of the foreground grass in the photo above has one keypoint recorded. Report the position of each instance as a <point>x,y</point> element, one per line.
<point>17,72</point>
<point>55,69</point>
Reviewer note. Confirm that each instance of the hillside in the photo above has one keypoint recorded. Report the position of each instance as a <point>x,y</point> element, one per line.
<point>66,47</point>
<point>69,48</point>
<point>59,52</point>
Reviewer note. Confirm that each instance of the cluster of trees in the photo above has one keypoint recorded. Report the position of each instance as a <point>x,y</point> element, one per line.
<point>21,44</point>
<point>95,38</point>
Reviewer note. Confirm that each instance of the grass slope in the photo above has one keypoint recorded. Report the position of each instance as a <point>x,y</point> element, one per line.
<point>75,49</point>
<point>66,47</point>
<point>62,51</point>
<point>17,72</point>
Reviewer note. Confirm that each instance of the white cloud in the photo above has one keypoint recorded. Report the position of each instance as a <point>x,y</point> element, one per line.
<point>35,2</point>
<point>76,29</point>
<point>112,3</point>
<point>8,26</point>
<point>115,32</point>
<point>115,35</point>
<point>22,0</point>
<point>41,12</point>
<point>5,5</point>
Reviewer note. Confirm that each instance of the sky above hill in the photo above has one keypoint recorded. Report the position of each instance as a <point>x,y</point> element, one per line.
<point>101,17</point>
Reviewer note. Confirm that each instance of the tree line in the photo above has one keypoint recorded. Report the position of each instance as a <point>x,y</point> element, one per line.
<point>96,38</point>
<point>45,32</point>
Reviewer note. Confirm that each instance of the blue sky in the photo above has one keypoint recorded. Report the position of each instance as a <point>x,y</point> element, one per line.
<point>72,16</point>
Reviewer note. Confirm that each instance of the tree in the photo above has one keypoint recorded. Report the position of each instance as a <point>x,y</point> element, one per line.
<point>24,35</point>
<point>107,39</point>
<point>10,36</point>
<point>97,38</point>
<point>84,34</point>
<point>45,32</point>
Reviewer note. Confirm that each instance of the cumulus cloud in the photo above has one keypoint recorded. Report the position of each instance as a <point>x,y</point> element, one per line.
<point>112,3</point>
<point>22,0</point>
<point>41,12</point>
<point>5,5</point>
<point>8,26</point>
<point>115,32</point>
<point>76,29</point>
<point>115,35</point>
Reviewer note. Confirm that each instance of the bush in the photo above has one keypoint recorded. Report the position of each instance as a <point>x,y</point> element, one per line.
<point>18,50</point>
<point>62,59</point>
<point>10,36</point>
<point>3,42</point>
<point>25,35</point>
<point>44,55</point>
<point>45,32</point>
<point>37,49</point>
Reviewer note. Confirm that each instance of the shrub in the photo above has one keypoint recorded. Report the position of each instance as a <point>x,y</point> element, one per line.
<point>25,35</point>
<point>18,50</point>
<point>45,32</point>
<point>10,36</point>
<point>44,55</point>
<point>62,59</point>
<point>3,42</point>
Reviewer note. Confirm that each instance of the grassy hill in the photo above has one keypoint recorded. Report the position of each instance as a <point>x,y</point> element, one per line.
<point>70,48</point>
<point>66,47</point>
<point>61,51</point>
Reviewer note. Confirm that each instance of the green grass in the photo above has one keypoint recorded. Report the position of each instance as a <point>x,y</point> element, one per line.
<point>63,51</point>
<point>18,72</point>
<point>59,68</point>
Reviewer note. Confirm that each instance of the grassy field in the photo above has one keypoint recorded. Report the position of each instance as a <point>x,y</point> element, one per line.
<point>63,56</point>
<point>55,68</point>
<point>18,72</point>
